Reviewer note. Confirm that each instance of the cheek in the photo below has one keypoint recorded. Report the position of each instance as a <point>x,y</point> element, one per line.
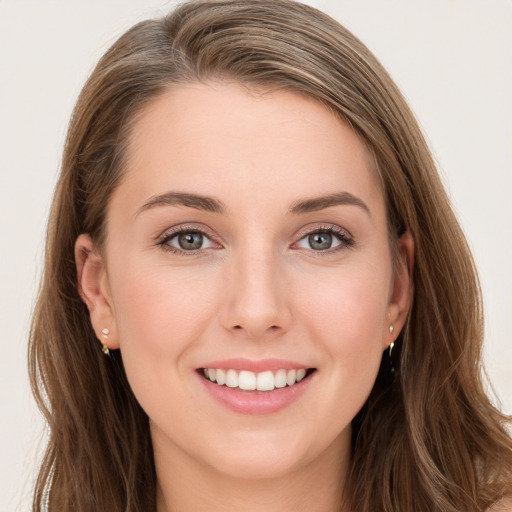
<point>156,304</point>
<point>347,317</point>
<point>350,308</point>
<point>160,314</point>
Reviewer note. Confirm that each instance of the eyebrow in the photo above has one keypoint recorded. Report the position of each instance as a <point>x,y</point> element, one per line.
<point>212,205</point>
<point>320,203</point>
<point>196,201</point>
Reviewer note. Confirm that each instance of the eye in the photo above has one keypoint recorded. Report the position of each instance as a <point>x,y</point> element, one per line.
<point>187,240</point>
<point>325,239</point>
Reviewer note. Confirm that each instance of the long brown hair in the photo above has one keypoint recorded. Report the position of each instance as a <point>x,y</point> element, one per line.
<point>428,437</point>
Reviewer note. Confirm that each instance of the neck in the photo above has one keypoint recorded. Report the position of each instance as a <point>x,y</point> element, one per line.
<point>190,485</point>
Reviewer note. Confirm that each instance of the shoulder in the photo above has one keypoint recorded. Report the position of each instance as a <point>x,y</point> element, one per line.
<point>503,505</point>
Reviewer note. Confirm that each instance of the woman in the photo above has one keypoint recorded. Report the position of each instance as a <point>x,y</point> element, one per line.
<point>249,221</point>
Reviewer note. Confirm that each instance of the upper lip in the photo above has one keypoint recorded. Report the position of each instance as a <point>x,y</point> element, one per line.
<point>256,366</point>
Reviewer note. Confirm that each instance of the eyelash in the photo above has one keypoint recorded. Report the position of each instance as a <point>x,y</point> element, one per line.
<point>174,232</point>
<point>345,239</point>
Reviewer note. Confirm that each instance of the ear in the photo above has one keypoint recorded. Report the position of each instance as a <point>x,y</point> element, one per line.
<point>94,289</point>
<point>401,289</point>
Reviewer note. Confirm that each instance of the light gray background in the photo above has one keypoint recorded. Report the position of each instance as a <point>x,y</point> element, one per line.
<point>452,59</point>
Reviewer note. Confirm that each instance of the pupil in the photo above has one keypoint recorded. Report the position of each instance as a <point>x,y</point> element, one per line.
<point>190,241</point>
<point>320,241</point>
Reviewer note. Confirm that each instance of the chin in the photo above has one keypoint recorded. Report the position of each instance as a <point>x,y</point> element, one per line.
<point>259,466</point>
<point>268,456</point>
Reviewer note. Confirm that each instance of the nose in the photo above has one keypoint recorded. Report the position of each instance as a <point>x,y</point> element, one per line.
<point>257,302</point>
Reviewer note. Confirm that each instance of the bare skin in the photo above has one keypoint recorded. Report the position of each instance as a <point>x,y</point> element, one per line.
<point>219,246</point>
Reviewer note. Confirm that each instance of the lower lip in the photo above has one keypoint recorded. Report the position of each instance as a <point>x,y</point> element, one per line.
<point>256,402</point>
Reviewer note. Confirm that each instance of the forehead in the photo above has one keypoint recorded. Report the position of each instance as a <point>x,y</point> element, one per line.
<point>218,139</point>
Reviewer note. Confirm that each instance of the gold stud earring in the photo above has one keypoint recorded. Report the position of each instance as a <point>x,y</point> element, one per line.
<point>392,344</point>
<point>105,332</point>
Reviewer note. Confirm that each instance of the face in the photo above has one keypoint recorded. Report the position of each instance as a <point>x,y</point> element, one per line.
<point>246,246</point>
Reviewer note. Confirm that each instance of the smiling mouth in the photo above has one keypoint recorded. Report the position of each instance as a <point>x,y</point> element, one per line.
<point>251,381</point>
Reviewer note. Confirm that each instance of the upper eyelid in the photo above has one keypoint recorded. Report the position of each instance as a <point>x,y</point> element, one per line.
<point>332,228</point>
<point>183,228</point>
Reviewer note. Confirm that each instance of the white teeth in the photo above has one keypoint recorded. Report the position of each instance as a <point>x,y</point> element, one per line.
<point>232,379</point>
<point>280,379</point>
<point>250,381</point>
<point>291,376</point>
<point>265,381</point>
<point>247,380</point>
<point>221,377</point>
